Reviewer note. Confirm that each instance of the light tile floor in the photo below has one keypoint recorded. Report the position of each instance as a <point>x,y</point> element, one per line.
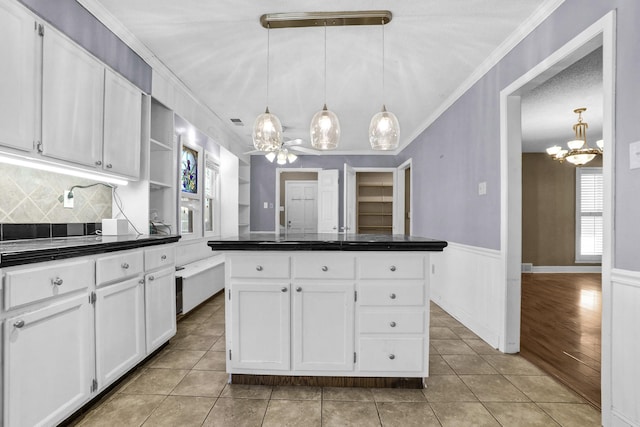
<point>470,384</point>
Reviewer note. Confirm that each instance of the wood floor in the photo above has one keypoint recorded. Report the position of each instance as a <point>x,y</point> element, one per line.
<point>560,328</point>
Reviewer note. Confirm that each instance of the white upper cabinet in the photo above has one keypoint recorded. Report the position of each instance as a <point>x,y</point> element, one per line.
<point>122,120</point>
<point>72,102</point>
<point>17,77</point>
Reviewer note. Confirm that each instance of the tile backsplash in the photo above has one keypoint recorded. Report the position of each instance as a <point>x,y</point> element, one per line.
<point>31,196</point>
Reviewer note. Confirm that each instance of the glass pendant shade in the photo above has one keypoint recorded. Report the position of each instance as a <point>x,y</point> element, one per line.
<point>267,132</point>
<point>580,159</point>
<point>552,151</point>
<point>325,130</point>
<point>576,144</point>
<point>384,131</point>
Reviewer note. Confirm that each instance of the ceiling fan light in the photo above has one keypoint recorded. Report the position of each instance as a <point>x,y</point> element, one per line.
<point>576,144</point>
<point>291,157</point>
<point>271,156</point>
<point>384,131</point>
<point>267,132</point>
<point>552,151</point>
<point>282,157</point>
<point>325,130</point>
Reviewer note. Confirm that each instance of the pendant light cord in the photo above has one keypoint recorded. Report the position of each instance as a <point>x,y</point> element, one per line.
<point>268,44</point>
<point>325,63</point>
<point>383,87</point>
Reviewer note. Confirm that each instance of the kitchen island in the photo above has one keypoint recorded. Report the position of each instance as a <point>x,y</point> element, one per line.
<point>327,309</point>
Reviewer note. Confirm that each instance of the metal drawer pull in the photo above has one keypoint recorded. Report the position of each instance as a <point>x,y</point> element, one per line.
<point>98,162</point>
<point>259,268</point>
<point>141,281</point>
<point>163,257</point>
<point>124,265</point>
<point>325,268</point>
<point>392,356</point>
<point>109,166</point>
<point>392,324</point>
<point>152,278</point>
<point>392,268</point>
<point>298,289</point>
<point>392,296</point>
<point>19,324</point>
<point>284,289</point>
<point>57,281</point>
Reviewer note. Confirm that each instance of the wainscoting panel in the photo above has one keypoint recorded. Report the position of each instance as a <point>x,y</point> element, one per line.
<point>625,348</point>
<point>466,282</point>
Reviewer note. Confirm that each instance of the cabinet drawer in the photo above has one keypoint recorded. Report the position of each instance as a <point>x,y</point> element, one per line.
<point>119,266</point>
<point>259,266</point>
<point>399,266</point>
<point>27,285</point>
<point>391,293</point>
<point>376,322</point>
<point>323,266</point>
<point>159,256</point>
<point>391,355</point>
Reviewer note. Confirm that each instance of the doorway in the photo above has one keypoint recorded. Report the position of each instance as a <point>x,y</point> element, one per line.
<point>301,206</point>
<point>282,177</point>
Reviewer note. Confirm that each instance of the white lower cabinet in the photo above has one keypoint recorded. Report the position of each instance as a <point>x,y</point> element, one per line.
<point>48,362</point>
<point>120,329</point>
<point>261,339</point>
<point>160,307</point>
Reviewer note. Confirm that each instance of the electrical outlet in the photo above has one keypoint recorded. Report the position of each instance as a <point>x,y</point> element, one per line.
<point>67,202</point>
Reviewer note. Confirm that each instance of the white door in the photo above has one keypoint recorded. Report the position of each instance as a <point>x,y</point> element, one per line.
<point>349,199</point>
<point>160,307</point>
<point>328,198</point>
<point>120,342</point>
<point>301,206</point>
<point>260,331</point>
<point>323,326</point>
<point>48,362</point>
<point>122,121</point>
<point>72,102</point>
<point>17,76</point>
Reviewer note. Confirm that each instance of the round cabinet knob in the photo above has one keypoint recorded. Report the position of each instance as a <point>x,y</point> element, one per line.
<point>163,257</point>
<point>392,356</point>
<point>98,162</point>
<point>124,265</point>
<point>284,289</point>
<point>298,289</point>
<point>392,268</point>
<point>57,281</point>
<point>259,267</point>
<point>325,268</point>
<point>152,278</point>
<point>109,166</point>
<point>141,281</point>
<point>19,324</point>
<point>392,324</point>
<point>392,296</point>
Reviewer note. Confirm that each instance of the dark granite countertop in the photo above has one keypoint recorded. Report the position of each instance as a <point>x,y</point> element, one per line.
<point>326,242</point>
<point>17,252</point>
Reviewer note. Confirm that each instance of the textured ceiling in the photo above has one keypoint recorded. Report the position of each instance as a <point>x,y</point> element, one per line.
<point>547,110</point>
<point>219,50</point>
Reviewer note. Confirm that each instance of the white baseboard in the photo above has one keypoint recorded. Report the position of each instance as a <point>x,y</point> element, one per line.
<point>566,269</point>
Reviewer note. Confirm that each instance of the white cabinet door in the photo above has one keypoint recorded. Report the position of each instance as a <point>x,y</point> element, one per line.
<point>160,307</point>
<point>17,76</point>
<point>323,330</point>
<point>260,337</point>
<point>120,340</point>
<point>349,199</point>
<point>122,120</point>
<point>48,362</point>
<point>72,102</point>
<point>328,210</point>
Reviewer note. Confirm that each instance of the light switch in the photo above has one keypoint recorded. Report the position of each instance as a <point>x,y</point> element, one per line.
<point>634,155</point>
<point>266,205</point>
<point>482,188</point>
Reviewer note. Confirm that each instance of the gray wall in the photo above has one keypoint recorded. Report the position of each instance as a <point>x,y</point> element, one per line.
<point>462,148</point>
<point>263,181</point>
<point>69,17</point>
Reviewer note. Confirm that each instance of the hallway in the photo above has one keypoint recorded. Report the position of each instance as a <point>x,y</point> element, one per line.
<point>561,328</point>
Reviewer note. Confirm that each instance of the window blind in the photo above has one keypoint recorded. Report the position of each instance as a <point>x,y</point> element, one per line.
<point>589,204</point>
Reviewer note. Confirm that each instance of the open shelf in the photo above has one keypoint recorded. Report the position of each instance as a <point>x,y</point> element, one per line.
<point>158,146</point>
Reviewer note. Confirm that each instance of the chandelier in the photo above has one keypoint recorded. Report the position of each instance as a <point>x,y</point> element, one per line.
<point>579,152</point>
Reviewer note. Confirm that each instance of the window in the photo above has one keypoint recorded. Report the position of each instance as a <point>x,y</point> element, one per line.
<point>211,197</point>
<point>589,225</point>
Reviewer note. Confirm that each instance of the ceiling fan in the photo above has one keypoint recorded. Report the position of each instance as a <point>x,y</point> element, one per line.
<point>286,151</point>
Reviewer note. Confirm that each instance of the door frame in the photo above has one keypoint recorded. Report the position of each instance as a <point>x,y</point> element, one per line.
<point>276,203</point>
<point>286,211</point>
<point>602,32</point>
<point>401,199</point>
<point>394,172</point>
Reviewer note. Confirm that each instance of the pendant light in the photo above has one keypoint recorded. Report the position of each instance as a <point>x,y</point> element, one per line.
<point>325,127</point>
<point>384,129</point>
<point>267,129</point>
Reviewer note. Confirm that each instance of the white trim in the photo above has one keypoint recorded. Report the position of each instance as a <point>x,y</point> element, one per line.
<point>567,269</point>
<point>542,13</point>
<point>476,250</point>
<point>625,277</point>
<point>276,203</point>
<point>407,164</point>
